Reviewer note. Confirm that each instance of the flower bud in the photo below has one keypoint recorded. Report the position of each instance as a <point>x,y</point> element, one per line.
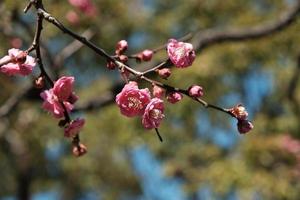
<point>239,111</point>
<point>147,55</point>
<point>158,91</point>
<point>111,65</point>
<point>195,91</point>
<point>174,97</point>
<point>79,150</point>
<point>164,73</point>
<point>122,46</point>
<point>244,126</point>
<point>123,58</point>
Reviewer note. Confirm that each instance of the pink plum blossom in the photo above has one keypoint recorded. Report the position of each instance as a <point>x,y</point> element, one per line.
<point>132,101</point>
<point>195,91</point>
<point>122,46</point>
<point>153,114</point>
<point>244,126</point>
<point>72,17</point>
<point>174,97</point>
<point>63,87</point>
<point>18,63</point>
<point>54,105</point>
<point>180,53</point>
<point>74,127</point>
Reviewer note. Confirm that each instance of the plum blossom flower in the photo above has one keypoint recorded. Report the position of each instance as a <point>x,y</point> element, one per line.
<point>180,53</point>
<point>54,105</point>
<point>195,91</point>
<point>132,101</point>
<point>174,97</point>
<point>244,126</point>
<point>154,114</point>
<point>63,87</point>
<point>18,63</point>
<point>74,127</point>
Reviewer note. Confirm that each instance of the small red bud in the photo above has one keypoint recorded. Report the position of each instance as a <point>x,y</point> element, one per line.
<point>174,97</point>
<point>79,150</point>
<point>158,91</point>
<point>164,73</point>
<point>147,55</point>
<point>123,58</point>
<point>121,47</point>
<point>195,91</point>
<point>111,65</point>
<point>244,126</point>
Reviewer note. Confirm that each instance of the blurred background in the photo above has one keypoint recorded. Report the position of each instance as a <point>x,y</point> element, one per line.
<point>203,156</point>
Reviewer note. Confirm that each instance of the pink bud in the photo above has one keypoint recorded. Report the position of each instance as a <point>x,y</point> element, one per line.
<point>154,114</point>
<point>174,97</point>
<point>147,55</point>
<point>79,150</point>
<point>164,73</point>
<point>74,127</point>
<point>39,82</point>
<point>111,65</point>
<point>239,111</point>
<point>63,87</point>
<point>123,58</point>
<point>195,91</point>
<point>158,91</point>
<point>122,46</point>
<point>244,126</point>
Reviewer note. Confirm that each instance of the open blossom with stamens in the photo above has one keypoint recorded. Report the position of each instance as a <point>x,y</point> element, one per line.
<point>154,114</point>
<point>74,127</point>
<point>54,105</point>
<point>19,63</point>
<point>132,101</point>
<point>180,53</point>
<point>63,87</point>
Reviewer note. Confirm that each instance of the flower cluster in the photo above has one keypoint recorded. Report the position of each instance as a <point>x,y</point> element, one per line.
<point>240,113</point>
<point>17,63</point>
<point>60,99</point>
<point>133,102</point>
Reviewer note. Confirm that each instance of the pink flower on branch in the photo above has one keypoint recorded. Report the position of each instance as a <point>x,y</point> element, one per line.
<point>180,53</point>
<point>132,101</point>
<point>85,6</point>
<point>18,63</point>
<point>154,114</point>
<point>54,105</point>
<point>63,87</point>
<point>74,127</point>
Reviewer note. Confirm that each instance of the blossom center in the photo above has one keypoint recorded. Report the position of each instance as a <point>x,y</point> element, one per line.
<point>156,114</point>
<point>134,103</point>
